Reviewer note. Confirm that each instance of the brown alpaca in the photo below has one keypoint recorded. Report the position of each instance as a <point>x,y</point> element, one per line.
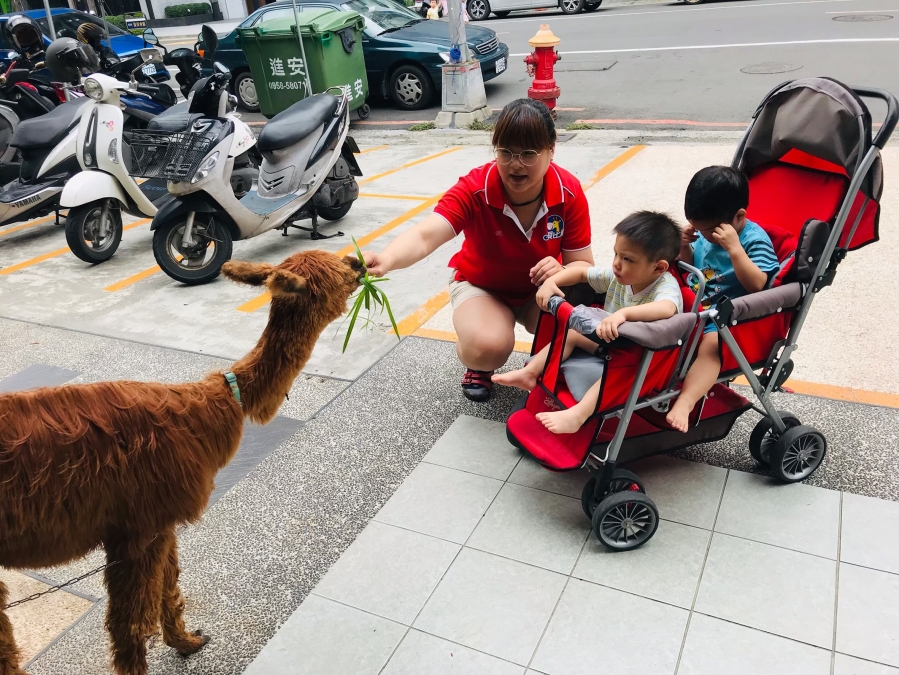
<point>122,464</point>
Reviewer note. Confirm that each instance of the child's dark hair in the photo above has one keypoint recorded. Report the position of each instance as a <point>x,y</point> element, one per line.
<point>715,194</point>
<point>525,124</point>
<point>655,234</point>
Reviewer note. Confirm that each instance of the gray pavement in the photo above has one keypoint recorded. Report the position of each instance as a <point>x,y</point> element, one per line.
<point>265,545</point>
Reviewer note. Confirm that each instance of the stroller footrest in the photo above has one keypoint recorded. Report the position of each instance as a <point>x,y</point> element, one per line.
<point>560,452</point>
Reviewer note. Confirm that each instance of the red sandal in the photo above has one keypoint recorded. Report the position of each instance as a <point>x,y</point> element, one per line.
<point>477,385</point>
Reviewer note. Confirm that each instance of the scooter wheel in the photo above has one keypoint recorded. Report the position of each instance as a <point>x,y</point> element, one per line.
<point>197,264</point>
<point>82,232</point>
<point>335,213</point>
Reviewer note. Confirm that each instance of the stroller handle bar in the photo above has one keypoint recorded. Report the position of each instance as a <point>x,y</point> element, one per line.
<point>892,117</point>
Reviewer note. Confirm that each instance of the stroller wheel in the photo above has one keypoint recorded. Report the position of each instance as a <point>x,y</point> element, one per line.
<point>796,454</point>
<point>625,520</point>
<point>622,481</point>
<point>520,403</point>
<point>763,436</point>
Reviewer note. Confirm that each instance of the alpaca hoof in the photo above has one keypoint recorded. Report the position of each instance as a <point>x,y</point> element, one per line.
<point>195,643</point>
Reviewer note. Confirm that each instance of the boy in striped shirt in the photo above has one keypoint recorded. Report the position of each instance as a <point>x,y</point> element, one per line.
<point>736,258</point>
<point>638,287</point>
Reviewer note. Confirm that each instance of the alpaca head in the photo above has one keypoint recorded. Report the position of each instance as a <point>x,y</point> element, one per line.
<point>313,283</point>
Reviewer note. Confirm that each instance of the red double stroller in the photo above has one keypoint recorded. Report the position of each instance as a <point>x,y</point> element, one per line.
<point>815,179</point>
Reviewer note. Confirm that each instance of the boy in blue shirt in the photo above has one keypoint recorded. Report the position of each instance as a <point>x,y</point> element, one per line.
<point>736,258</point>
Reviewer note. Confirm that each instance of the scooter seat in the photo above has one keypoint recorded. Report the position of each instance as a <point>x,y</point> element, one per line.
<point>47,130</point>
<point>297,122</point>
<point>175,119</point>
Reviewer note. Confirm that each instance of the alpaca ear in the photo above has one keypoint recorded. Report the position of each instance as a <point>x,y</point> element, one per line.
<point>253,274</point>
<point>282,282</point>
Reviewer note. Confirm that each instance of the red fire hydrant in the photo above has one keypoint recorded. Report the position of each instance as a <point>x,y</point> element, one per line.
<point>540,66</point>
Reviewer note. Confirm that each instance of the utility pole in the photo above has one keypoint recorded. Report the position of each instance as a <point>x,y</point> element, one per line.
<point>464,99</point>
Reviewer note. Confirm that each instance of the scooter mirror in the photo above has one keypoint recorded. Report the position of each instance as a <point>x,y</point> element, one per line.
<point>210,41</point>
<point>150,37</point>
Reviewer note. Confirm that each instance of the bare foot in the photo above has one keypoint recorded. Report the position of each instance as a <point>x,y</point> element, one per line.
<point>562,422</point>
<point>521,378</point>
<point>679,416</point>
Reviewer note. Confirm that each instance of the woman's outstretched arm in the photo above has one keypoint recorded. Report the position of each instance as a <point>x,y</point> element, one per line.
<point>411,246</point>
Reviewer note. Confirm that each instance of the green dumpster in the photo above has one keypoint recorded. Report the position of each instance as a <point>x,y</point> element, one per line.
<point>332,41</point>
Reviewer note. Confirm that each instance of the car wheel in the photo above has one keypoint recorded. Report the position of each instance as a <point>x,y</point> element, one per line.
<point>502,15</point>
<point>478,10</point>
<point>411,87</point>
<point>592,7</point>
<point>245,90</point>
<point>571,6</point>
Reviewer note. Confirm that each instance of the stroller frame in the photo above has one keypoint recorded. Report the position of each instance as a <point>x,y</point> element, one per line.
<point>623,516</point>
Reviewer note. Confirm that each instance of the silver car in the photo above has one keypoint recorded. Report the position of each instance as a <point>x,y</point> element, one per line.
<point>479,10</point>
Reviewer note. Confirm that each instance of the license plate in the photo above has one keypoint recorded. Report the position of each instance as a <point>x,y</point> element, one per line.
<point>150,69</point>
<point>500,64</point>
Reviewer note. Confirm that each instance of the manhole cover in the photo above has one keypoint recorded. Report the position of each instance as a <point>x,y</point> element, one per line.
<point>769,68</point>
<point>862,17</point>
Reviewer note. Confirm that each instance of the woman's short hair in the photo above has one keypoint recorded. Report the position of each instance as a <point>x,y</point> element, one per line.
<point>525,124</point>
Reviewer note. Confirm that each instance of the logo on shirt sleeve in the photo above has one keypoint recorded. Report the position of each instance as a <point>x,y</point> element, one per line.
<point>555,226</point>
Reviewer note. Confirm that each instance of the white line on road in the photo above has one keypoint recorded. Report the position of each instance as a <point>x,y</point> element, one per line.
<point>614,15</point>
<point>864,11</point>
<point>740,44</point>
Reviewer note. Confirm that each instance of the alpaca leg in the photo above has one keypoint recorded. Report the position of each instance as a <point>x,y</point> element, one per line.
<point>134,585</point>
<point>9,653</point>
<point>174,633</point>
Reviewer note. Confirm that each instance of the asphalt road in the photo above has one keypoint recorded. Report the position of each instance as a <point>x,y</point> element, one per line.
<point>670,65</point>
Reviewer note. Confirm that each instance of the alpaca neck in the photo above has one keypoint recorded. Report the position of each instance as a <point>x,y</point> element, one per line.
<point>266,374</point>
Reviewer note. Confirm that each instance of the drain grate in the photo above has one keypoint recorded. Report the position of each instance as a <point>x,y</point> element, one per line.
<point>862,17</point>
<point>769,68</point>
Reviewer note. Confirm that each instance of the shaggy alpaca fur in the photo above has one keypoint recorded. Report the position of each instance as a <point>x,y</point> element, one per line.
<point>122,464</point>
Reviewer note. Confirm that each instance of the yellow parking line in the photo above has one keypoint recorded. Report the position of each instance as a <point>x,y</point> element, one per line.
<point>835,392</point>
<point>611,166</point>
<point>262,300</point>
<point>374,149</point>
<point>374,195</point>
<point>24,226</point>
<point>57,252</point>
<point>449,336</point>
<point>421,315</point>
<point>407,165</point>
<point>133,279</point>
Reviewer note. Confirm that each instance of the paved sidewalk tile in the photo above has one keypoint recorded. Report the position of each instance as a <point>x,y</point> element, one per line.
<point>388,571</point>
<point>849,665</point>
<point>327,638</point>
<point>686,492</point>
<point>600,630</point>
<point>568,483</point>
<point>441,502</point>
<point>716,647</point>
<point>533,526</point>
<point>868,614</point>
<point>869,533</point>
<point>666,568</point>
<point>491,604</point>
<point>423,654</point>
<point>476,445</point>
<point>779,591</point>
<point>799,517</point>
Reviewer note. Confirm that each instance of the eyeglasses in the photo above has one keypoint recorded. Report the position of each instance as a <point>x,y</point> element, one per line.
<point>527,157</point>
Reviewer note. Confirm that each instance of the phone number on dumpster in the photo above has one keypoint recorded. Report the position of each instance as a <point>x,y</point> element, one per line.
<point>286,85</point>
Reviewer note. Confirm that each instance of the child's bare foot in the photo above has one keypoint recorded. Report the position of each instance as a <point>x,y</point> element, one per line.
<point>679,416</point>
<point>562,421</point>
<point>521,378</point>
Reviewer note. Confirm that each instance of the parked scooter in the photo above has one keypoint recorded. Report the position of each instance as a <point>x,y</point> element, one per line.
<point>97,195</point>
<point>47,144</point>
<point>307,171</point>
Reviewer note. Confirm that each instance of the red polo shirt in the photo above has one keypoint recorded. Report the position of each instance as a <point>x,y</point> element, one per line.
<point>499,251</point>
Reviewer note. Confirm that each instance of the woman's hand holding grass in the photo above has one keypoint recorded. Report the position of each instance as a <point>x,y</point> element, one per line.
<point>369,294</point>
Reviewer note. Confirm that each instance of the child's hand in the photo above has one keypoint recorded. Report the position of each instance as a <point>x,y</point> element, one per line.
<point>727,237</point>
<point>608,329</point>
<point>547,291</point>
<point>687,236</point>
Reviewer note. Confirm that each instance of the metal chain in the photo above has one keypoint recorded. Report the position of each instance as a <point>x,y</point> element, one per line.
<point>53,589</point>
